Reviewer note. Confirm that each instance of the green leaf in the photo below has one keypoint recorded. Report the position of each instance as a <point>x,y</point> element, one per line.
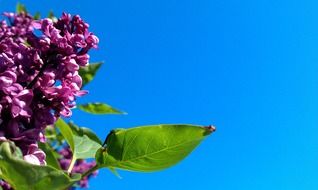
<point>37,16</point>
<point>51,159</point>
<point>86,142</point>
<point>82,141</point>
<point>150,148</point>
<point>25,176</point>
<point>99,108</point>
<point>66,131</point>
<point>85,147</point>
<point>52,16</point>
<point>20,8</point>
<point>88,73</point>
<point>80,131</point>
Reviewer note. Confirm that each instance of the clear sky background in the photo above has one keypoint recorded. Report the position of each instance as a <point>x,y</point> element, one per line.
<point>249,67</point>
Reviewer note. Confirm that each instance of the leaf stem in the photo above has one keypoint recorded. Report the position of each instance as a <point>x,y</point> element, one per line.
<point>69,170</point>
<point>50,136</point>
<point>90,171</point>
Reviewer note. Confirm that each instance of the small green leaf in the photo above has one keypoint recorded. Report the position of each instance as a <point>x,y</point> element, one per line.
<point>20,8</point>
<point>37,16</point>
<point>66,131</point>
<point>99,108</point>
<point>82,141</point>
<point>150,148</point>
<point>15,151</point>
<point>51,159</point>
<point>25,176</point>
<point>52,16</point>
<point>88,73</point>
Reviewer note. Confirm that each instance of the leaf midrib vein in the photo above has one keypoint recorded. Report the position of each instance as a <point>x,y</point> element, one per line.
<point>177,145</point>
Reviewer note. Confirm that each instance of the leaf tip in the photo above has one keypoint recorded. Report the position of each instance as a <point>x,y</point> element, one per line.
<point>210,129</point>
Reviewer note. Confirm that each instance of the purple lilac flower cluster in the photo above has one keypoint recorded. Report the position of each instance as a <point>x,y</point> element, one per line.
<point>80,166</point>
<point>39,80</point>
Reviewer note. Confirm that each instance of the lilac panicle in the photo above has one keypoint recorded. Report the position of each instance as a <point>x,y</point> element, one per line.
<point>39,80</point>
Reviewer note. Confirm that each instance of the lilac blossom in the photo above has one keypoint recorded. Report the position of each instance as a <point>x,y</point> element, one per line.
<point>39,79</point>
<point>5,185</point>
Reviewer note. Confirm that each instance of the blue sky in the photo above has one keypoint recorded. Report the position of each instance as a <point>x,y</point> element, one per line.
<point>248,67</point>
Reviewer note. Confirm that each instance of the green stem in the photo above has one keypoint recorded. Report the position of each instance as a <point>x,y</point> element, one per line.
<point>69,170</point>
<point>50,136</point>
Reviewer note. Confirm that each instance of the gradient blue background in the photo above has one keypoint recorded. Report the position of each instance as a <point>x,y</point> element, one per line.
<point>249,67</point>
